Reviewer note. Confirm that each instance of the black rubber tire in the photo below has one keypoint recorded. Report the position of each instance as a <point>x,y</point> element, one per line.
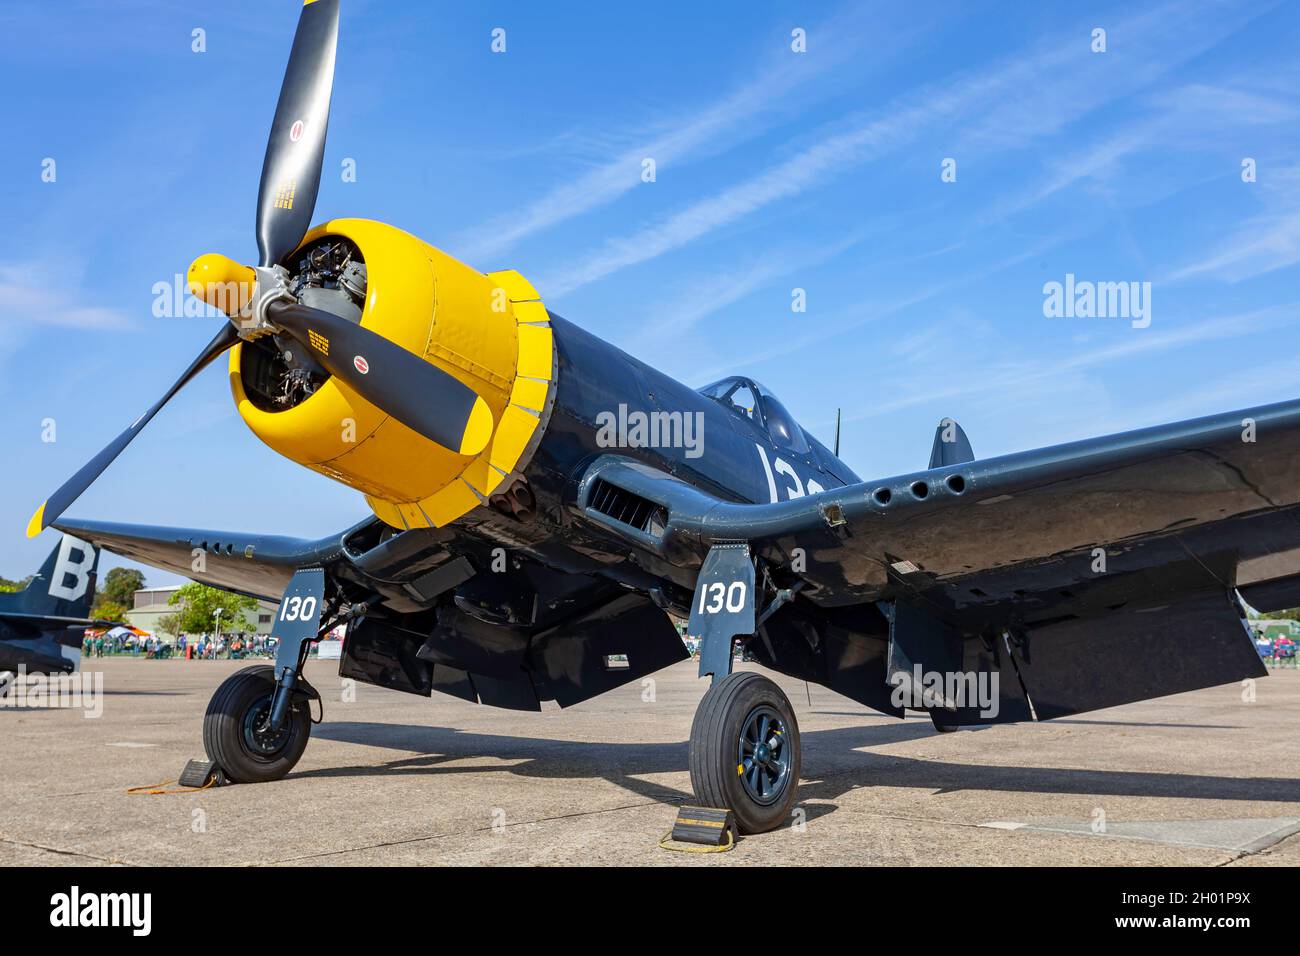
<point>223,728</point>
<point>715,736</point>
<point>943,728</point>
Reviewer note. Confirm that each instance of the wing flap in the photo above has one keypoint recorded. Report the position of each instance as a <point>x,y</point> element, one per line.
<point>1080,664</point>
<point>1136,654</point>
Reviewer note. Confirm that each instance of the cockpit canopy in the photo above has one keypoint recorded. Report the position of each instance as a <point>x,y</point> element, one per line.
<point>750,400</point>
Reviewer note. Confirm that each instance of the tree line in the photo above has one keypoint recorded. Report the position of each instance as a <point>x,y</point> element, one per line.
<point>196,605</point>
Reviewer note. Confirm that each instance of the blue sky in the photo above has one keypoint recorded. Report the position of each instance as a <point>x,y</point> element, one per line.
<point>774,170</point>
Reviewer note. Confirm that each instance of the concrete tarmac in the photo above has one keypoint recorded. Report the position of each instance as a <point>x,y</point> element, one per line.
<point>1207,778</point>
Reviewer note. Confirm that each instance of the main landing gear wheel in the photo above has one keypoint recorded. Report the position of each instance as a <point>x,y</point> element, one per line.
<point>235,734</point>
<point>745,751</point>
<point>942,728</point>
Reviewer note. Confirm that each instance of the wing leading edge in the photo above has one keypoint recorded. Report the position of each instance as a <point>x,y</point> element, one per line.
<point>979,526</point>
<point>254,564</point>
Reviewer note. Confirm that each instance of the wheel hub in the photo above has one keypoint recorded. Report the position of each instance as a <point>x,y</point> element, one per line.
<point>763,763</point>
<point>258,736</point>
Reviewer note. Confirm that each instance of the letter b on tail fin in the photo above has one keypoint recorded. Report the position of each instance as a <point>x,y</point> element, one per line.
<point>65,585</point>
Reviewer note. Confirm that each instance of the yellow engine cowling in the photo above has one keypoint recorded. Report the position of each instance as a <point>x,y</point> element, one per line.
<point>489,331</point>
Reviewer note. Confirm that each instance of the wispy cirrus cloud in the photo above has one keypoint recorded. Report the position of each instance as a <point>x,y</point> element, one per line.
<point>1263,243</point>
<point>1195,116</point>
<point>1212,396</point>
<point>33,294</point>
<point>832,327</point>
<point>714,291</point>
<point>737,117</point>
<point>1008,105</point>
<point>1033,375</point>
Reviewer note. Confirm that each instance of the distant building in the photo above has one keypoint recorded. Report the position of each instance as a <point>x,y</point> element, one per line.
<point>149,604</point>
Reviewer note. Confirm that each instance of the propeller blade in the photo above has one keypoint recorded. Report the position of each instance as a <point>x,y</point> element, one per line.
<point>296,147</point>
<point>71,490</point>
<point>421,396</point>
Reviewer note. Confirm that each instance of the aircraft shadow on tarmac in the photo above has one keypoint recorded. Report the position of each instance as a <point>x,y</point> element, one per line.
<point>833,764</point>
<point>45,708</point>
<point>1067,720</point>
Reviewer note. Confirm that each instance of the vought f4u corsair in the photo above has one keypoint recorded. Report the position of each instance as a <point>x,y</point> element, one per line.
<point>528,543</point>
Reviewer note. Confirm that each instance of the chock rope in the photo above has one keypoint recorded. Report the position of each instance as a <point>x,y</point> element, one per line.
<point>154,789</point>
<point>729,845</point>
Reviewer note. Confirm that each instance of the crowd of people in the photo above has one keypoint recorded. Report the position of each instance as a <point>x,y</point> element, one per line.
<point>1277,652</point>
<point>201,647</point>
<point>110,645</point>
<point>236,647</point>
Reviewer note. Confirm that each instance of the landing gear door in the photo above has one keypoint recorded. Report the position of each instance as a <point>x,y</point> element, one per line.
<point>298,618</point>
<point>723,606</point>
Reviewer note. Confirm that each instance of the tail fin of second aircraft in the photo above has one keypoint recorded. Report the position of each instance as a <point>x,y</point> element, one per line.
<point>951,446</point>
<point>63,587</point>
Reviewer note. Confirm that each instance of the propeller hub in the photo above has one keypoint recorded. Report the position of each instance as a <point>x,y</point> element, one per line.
<point>222,283</point>
<point>242,292</point>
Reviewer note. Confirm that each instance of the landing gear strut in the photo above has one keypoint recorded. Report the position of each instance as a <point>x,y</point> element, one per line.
<point>258,721</point>
<point>744,739</point>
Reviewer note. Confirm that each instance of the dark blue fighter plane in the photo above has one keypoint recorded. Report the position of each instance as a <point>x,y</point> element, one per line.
<point>543,502</point>
<point>41,626</point>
